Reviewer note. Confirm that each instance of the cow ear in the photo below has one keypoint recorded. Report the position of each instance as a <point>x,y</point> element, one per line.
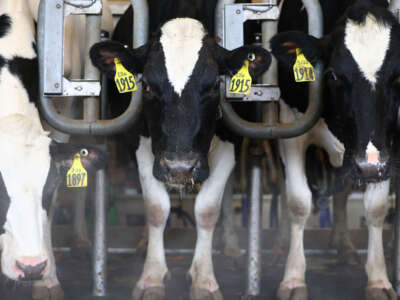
<point>92,158</point>
<point>103,54</point>
<point>284,45</point>
<point>231,61</point>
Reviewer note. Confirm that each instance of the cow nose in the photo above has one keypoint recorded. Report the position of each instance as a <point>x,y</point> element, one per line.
<point>185,168</point>
<point>31,267</point>
<point>371,172</point>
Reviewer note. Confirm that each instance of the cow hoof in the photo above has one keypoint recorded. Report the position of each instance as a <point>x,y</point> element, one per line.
<point>43,293</point>
<point>299,293</point>
<point>203,294</point>
<point>380,294</point>
<point>151,293</point>
<point>348,257</point>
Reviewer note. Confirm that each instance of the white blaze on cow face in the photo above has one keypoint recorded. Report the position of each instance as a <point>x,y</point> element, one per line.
<point>372,154</point>
<point>181,40</point>
<point>368,43</point>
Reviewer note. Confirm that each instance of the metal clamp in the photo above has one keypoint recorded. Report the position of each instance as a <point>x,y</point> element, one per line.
<point>233,14</point>
<point>52,82</point>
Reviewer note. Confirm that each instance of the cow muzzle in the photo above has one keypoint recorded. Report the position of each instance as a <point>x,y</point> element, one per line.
<point>181,172</point>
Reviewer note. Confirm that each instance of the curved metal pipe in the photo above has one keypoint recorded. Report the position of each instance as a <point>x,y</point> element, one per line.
<point>83,127</point>
<point>306,121</point>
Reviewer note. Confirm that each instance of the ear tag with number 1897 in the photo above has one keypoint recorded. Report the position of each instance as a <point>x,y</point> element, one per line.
<point>124,79</point>
<point>77,175</point>
<point>303,69</point>
<point>241,81</point>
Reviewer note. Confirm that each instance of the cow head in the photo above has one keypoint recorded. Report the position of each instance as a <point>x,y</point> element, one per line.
<point>181,66</point>
<point>362,88</point>
<point>31,169</point>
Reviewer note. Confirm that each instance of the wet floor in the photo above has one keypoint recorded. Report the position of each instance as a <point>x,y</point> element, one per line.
<point>327,280</point>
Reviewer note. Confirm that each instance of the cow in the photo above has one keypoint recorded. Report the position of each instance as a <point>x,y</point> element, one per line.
<point>358,126</point>
<point>32,166</point>
<point>180,144</point>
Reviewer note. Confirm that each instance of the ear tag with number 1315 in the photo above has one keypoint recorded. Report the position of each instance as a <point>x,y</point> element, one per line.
<point>241,81</point>
<point>124,79</point>
<point>303,69</point>
<point>77,175</point>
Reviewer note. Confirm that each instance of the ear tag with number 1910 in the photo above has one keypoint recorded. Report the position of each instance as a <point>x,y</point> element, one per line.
<point>124,79</point>
<point>303,69</point>
<point>77,175</point>
<point>241,81</point>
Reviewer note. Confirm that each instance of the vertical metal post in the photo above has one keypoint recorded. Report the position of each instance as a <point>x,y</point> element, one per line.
<point>91,112</point>
<point>255,199</point>
<point>219,20</point>
<point>100,238</point>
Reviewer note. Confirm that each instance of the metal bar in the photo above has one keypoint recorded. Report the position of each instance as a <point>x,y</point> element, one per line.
<point>308,252</point>
<point>140,22</point>
<point>48,111</point>
<point>100,245</point>
<point>219,20</point>
<point>254,254</point>
<point>394,6</point>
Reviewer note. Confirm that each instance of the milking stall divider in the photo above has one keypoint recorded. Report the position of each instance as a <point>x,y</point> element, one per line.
<point>230,19</point>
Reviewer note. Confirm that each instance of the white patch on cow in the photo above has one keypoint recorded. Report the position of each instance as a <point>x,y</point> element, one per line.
<point>372,153</point>
<point>181,40</point>
<point>21,36</point>
<point>368,43</point>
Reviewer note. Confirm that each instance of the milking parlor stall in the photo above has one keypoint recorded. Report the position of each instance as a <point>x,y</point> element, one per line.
<point>199,149</point>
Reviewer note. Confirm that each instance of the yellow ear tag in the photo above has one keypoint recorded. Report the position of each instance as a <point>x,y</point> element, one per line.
<point>241,81</point>
<point>124,79</point>
<point>77,175</point>
<point>303,70</point>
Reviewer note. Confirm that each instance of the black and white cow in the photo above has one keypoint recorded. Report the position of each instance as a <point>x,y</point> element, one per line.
<point>180,142</point>
<point>358,127</point>
<point>31,165</point>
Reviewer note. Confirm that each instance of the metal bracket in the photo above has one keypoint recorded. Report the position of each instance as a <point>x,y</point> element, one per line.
<point>82,7</point>
<point>235,16</point>
<point>81,88</point>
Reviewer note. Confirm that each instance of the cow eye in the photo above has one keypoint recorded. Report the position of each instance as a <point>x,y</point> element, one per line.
<point>331,75</point>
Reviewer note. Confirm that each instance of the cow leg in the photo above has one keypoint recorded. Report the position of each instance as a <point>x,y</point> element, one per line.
<point>299,201</point>
<point>376,206</point>
<point>340,238</point>
<point>207,207</point>
<point>157,206</point>
<point>49,288</point>
<point>230,238</point>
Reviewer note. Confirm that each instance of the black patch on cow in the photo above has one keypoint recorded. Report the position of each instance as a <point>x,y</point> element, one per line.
<point>4,204</point>
<point>52,182</point>
<point>2,62</point>
<point>27,71</point>
<point>5,24</point>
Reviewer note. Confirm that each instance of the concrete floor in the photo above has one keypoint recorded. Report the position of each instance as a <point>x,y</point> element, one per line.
<point>327,280</point>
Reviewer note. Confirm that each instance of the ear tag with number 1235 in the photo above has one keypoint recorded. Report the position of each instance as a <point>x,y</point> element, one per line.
<point>303,69</point>
<point>124,79</point>
<point>241,81</point>
<point>77,175</point>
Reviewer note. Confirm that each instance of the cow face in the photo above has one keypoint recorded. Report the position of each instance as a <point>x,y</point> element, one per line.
<point>362,68</point>
<point>181,67</point>
<point>31,169</point>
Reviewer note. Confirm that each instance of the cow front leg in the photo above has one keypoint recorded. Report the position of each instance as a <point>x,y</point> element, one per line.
<point>207,208</point>
<point>376,206</point>
<point>340,237</point>
<point>299,199</point>
<point>157,206</point>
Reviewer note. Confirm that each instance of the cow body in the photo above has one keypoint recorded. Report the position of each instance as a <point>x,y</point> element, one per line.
<point>178,142</point>
<point>31,165</point>
<point>359,117</point>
